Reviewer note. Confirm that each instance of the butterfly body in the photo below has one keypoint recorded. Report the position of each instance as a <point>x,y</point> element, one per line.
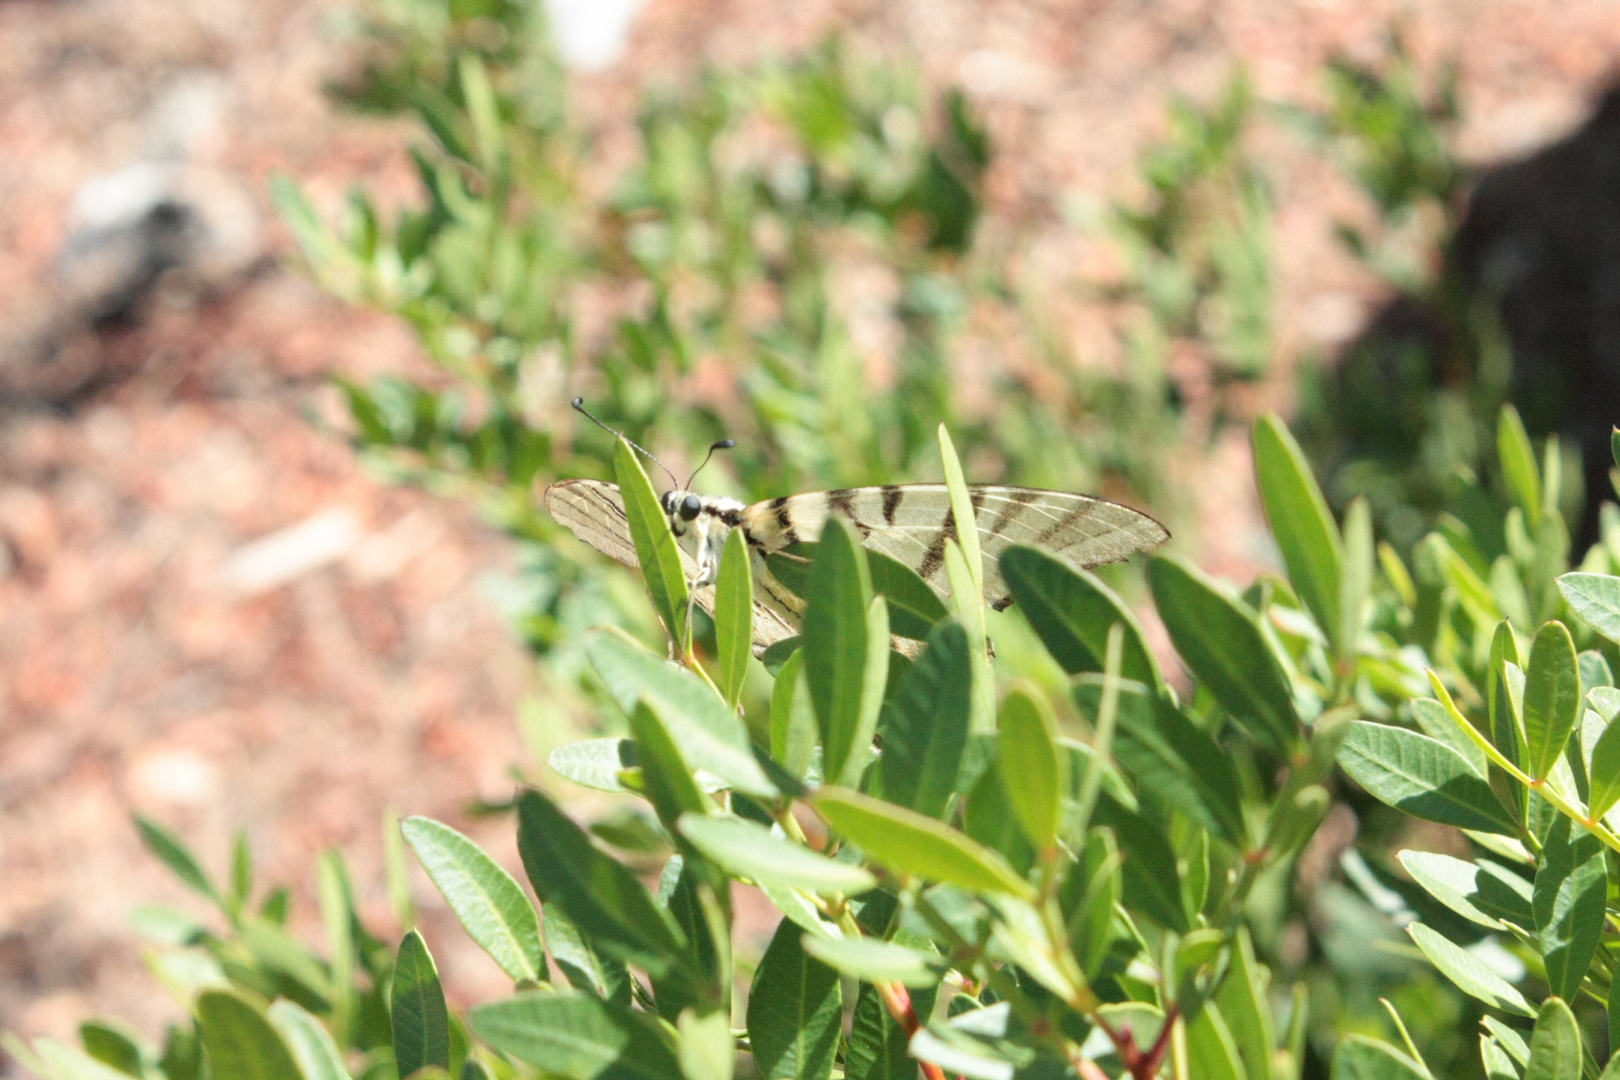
<point>911,523</point>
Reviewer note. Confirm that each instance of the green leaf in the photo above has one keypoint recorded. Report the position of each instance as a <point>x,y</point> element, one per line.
<point>706,730</point>
<point>1359,1058</point>
<point>109,1043</point>
<point>734,616</point>
<point>989,818</point>
<point>1422,776</point>
<point>1174,762</point>
<point>1150,880</point>
<point>1470,974</point>
<point>1244,998</point>
<point>665,774</point>
<point>1435,722</point>
<point>1507,733</point>
<point>656,550</point>
<point>488,901</point>
<point>1481,892</point>
<point>910,843</point>
<point>1034,772</point>
<point>176,856</point>
<point>877,961</point>
<point>242,1044</point>
<point>913,607</point>
<point>581,964</point>
<point>706,1049</point>
<point>962,510</point>
<point>602,897</point>
<point>1518,462</point>
<point>1221,643</point>
<point>1355,579</point>
<point>1210,1043</point>
<point>1595,598</point>
<point>312,1047</point>
<point>747,850</point>
<point>1300,521</point>
<point>576,1036</point>
<point>1555,1044</point>
<point>52,1060</point>
<point>925,724</point>
<point>1605,775</point>
<point>795,1010</point>
<point>1552,698</point>
<point>793,720</point>
<point>836,647</point>
<point>1071,611</point>
<point>1570,889</point>
<point>594,763</point>
<point>1087,898</point>
<point>878,1043</point>
<point>421,1021</point>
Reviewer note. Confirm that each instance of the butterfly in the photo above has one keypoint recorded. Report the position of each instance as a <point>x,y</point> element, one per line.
<point>910,523</point>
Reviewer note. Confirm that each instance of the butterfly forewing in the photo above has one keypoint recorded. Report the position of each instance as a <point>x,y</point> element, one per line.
<point>913,522</point>
<point>594,511</point>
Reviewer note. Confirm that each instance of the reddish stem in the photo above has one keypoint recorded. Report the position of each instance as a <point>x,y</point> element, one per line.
<point>898,1003</point>
<point>1141,1064</point>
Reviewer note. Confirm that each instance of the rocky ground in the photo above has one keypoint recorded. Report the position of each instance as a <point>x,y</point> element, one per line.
<point>211,614</point>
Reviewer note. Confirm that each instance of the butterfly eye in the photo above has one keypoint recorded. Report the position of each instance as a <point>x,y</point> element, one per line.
<point>690,507</point>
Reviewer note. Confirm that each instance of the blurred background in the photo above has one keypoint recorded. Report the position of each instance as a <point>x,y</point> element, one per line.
<point>293,297</point>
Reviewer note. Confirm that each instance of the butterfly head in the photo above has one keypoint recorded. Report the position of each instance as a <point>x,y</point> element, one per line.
<point>681,505</point>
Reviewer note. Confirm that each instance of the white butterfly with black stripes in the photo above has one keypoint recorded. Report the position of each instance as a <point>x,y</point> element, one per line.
<point>910,523</point>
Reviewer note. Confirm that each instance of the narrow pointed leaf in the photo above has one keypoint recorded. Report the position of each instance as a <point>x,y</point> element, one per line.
<point>748,850</point>
<point>1034,772</point>
<point>1570,889</point>
<point>835,641</point>
<point>665,773</point>
<point>793,721</point>
<point>925,724</point>
<point>1552,698</point>
<point>421,1021</point>
<point>1071,611</point>
<point>1555,1044</point>
<point>594,763</point>
<point>734,616</point>
<point>1246,1007</point>
<point>878,1044</point>
<point>1468,972</point>
<point>1210,1043</point>
<point>708,733</point>
<point>602,897</point>
<point>1300,521</point>
<point>910,843</point>
<point>582,965</point>
<point>488,901</point>
<point>963,517</point>
<point>576,1036</point>
<point>1518,461</point>
<point>795,1010</point>
<point>1150,880</point>
<point>1422,776</point>
<point>877,961</point>
<point>1221,643</point>
<point>176,856</point>
<point>1605,778</point>
<point>312,1047</point>
<point>655,545</point>
<point>1481,892</point>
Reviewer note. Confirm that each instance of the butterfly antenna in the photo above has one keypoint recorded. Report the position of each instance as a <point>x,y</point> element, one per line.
<point>723,444</point>
<point>579,407</point>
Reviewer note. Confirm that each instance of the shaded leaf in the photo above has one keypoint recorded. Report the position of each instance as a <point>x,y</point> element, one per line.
<point>836,645</point>
<point>1221,643</point>
<point>1300,521</point>
<point>925,724</point>
<point>242,1044</point>
<point>1570,889</point>
<point>795,1010</point>
<point>421,1021</point>
<point>1555,1044</point>
<point>655,545</point>
<point>312,1047</point>
<point>575,1036</point>
<point>878,1043</point>
<point>1071,611</point>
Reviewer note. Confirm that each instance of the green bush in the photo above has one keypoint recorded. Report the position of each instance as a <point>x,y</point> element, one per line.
<point>985,893</point>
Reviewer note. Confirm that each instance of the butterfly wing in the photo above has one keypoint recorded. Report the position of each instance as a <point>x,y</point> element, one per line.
<point>912,522</point>
<point>594,511</point>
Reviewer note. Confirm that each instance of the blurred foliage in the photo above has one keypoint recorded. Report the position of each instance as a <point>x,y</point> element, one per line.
<point>793,258</point>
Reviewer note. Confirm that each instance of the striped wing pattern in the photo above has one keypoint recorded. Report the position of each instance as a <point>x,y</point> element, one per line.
<point>912,522</point>
<point>594,512</point>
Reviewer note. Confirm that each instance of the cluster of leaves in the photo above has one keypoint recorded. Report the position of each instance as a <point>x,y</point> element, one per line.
<point>983,896</point>
<point>794,260</point>
<point>1522,756</point>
